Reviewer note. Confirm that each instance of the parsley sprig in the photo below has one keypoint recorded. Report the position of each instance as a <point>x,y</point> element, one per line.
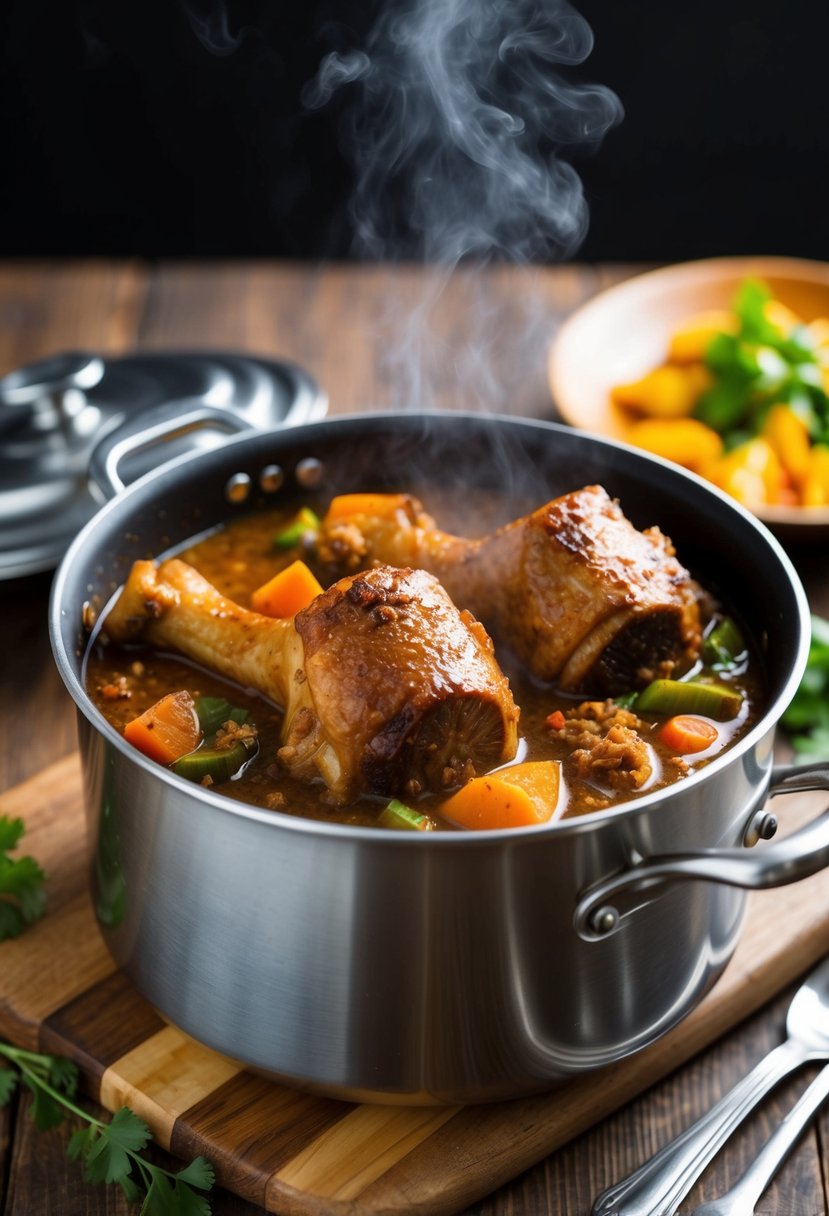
<point>759,366</point>
<point>22,894</point>
<point>110,1152</point>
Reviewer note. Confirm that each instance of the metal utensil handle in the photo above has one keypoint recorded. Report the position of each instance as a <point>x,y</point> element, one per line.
<point>745,1194</point>
<point>799,855</point>
<point>151,427</point>
<point>658,1187</point>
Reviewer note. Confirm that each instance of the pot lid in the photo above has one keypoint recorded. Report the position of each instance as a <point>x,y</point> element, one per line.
<point>55,411</point>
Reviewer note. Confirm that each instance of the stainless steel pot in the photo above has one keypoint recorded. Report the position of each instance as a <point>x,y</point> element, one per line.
<point>457,966</point>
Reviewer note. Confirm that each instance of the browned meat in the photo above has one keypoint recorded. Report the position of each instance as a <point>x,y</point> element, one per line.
<point>606,745</point>
<point>578,594</point>
<point>387,687</point>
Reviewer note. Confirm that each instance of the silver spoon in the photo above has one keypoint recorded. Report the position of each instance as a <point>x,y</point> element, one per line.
<point>744,1195</point>
<point>658,1187</point>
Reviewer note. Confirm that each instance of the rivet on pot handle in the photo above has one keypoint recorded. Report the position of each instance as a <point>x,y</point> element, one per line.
<point>151,427</point>
<point>799,855</point>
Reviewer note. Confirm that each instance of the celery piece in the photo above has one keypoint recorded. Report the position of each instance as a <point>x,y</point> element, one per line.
<point>398,815</point>
<point>217,763</point>
<point>689,697</point>
<point>213,712</point>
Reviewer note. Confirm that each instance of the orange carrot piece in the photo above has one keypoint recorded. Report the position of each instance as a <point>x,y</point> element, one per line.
<point>555,721</point>
<point>519,796</point>
<point>167,730</point>
<point>287,592</point>
<point>685,733</point>
<point>383,505</point>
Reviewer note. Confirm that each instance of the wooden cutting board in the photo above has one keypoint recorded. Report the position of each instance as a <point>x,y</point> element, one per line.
<point>295,1153</point>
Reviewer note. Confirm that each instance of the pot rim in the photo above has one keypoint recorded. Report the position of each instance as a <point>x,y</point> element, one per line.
<point>389,837</point>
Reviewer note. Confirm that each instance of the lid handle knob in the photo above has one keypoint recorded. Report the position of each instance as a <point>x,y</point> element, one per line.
<point>52,391</point>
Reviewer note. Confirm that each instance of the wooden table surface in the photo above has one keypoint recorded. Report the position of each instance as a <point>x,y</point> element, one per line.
<point>339,323</point>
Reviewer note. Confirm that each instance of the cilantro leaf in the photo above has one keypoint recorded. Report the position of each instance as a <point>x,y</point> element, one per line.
<point>22,895</point>
<point>46,1111</point>
<point>131,1189</point>
<point>12,923</point>
<point>160,1199</point>
<point>11,831</point>
<point>108,1159</point>
<point>198,1173</point>
<point>807,716</point>
<point>189,1203</point>
<point>8,1084</point>
<point>81,1141</point>
<point>63,1075</point>
<point>110,1152</point>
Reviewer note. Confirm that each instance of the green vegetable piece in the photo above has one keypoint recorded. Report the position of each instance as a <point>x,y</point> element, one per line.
<point>689,697</point>
<point>213,712</point>
<point>398,815</point>
<point>217,763</point>
<point>306,521</point>
<point>22,892</point>
<point>724,645</point>
<point>807,717</point>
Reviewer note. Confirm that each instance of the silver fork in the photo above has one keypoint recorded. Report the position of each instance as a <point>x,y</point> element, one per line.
<point>743,1196</point>
<point>658,1187</point>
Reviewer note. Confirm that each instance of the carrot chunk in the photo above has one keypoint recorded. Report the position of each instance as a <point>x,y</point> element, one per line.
<point>519,796</point>
<point>685,733</point>
<point>287,592</point>
<point>382,505</point>
<point>167,730</point>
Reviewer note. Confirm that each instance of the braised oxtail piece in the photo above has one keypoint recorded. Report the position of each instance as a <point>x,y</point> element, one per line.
<point>387,688</point>
<point>581,596</point>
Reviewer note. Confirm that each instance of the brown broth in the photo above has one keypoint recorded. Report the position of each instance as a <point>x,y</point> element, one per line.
<point>242,556</point>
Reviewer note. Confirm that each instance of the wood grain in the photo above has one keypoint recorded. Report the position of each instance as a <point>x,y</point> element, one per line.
<point>101,1025</point>
<point>46,308</point>
<point>364,331</point>
<point>253,1128</point>
<point>362,1147</point>
<point>162,1078</point>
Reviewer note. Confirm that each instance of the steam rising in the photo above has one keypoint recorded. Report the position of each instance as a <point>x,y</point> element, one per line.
<point>209,22</point>
<point>458,117</point>
<point>458,113</point>
<point>463,108</point>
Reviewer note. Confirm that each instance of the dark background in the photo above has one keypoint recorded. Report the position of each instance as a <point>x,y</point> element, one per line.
<point>123,134</point>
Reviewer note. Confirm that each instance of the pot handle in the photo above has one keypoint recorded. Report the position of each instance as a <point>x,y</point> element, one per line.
<point>797,856</point>
<point>151,427</point>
